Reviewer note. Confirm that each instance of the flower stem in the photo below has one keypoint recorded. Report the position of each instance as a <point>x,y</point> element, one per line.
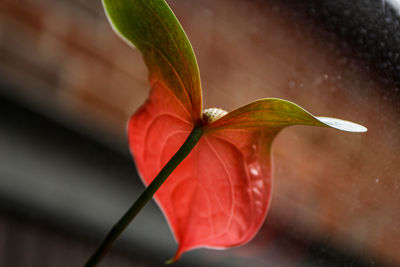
<point>145,197</point>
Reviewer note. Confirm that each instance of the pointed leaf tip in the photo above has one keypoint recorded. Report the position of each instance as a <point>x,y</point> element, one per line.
<point>170,261</point>
<point>343,125</point>
<point>278,113</point>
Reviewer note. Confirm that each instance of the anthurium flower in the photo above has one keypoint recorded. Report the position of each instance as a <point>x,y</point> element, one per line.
<point>219,195</point>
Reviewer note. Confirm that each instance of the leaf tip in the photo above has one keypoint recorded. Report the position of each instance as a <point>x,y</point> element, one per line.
<point>343,125</point>
<point>170,261</point>
<point>174,259</point>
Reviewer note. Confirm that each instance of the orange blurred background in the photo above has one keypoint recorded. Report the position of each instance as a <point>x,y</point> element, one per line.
<point>336,196</point>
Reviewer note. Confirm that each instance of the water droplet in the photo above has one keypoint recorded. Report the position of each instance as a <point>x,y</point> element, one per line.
<point>377,180</point>
<point>254,171</point>
<point>363,31</point>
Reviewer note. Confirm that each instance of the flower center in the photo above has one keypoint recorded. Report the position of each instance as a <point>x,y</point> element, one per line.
<point>213,114</point>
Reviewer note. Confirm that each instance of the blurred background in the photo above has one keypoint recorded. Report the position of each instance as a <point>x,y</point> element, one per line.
<point>68,85</point>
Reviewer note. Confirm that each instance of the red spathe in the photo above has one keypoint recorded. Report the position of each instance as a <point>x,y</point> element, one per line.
<point>219,195</point>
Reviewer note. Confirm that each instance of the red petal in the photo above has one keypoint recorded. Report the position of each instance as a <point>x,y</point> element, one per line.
<point>219,195</point>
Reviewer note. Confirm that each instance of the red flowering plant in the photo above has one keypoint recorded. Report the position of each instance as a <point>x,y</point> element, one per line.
<point>218,164</point>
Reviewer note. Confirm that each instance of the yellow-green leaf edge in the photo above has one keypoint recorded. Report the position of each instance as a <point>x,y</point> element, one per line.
<point>151,26</point>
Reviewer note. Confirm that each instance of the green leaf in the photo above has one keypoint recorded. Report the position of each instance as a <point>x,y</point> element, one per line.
<point>277,113</point>
<point>151,27</point>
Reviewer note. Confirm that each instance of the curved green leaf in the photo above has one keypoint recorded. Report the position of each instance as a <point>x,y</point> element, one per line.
<point>277,113</point>
<point>151,27</point>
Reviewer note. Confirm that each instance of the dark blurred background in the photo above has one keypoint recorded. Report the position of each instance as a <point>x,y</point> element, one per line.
<point>68,85</point>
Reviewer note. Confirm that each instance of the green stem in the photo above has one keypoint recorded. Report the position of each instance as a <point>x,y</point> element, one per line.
<point>145,197</point>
